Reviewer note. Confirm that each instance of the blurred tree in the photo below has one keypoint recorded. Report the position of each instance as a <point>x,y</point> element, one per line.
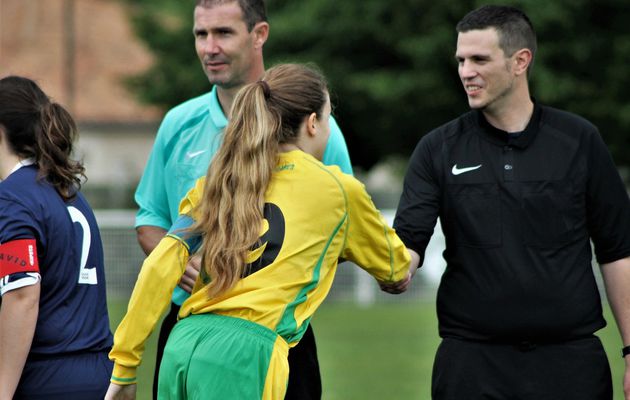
<point>582,66</point>
<point>165,27</point>
<point>391,65</point>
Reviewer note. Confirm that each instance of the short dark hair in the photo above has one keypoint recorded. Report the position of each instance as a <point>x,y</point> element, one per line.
<point>514,28</point>
<point>254,11</point>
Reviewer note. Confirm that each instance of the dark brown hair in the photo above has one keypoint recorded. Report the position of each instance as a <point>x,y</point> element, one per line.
<point>514,28</point>
<point>36,127</point>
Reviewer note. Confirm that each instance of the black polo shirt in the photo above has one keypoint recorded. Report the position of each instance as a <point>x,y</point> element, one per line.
<point>518,214</point>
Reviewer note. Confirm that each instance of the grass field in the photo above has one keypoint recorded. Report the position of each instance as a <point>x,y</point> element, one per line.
<point>380,352</point>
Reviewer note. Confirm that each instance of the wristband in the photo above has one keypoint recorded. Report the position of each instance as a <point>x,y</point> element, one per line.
<point>625,351</point>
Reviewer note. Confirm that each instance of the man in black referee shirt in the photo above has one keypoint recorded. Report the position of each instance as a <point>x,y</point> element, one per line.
<point>521,190</point>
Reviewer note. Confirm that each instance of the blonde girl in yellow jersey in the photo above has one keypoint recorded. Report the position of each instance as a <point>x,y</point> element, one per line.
<point>270,223</point>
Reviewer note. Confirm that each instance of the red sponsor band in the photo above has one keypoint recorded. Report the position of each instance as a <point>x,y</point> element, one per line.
<point>18,256</point>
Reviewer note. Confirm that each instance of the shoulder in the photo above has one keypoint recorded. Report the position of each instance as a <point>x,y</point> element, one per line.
<point>336,141</point>
<point>565,121</point>
<point>334,126</point>
<point>463,124</point>
<point>190,107</point>
<point>312,170</point>
<point>335,176</point>
<point>451,130</point>
<point>186,113</point>
<point>22,204</point>
<point>21,186</point>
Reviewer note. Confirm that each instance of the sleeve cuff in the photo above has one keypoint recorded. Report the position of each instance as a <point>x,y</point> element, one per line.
<point>122,375</point>
<point>144,218</point>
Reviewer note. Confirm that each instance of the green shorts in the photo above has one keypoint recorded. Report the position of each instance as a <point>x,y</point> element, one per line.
<point>211,356</point>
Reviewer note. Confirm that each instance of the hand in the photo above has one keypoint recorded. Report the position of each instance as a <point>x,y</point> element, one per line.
<point>120,392</point>
<point>187,282</point>
<point>396,287</point>
<point>402,285</point>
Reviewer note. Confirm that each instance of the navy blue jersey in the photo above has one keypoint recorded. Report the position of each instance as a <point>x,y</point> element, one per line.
<point>72,308</point>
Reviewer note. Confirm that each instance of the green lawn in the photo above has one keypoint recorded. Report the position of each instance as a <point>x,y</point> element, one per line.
<point>379,352</point>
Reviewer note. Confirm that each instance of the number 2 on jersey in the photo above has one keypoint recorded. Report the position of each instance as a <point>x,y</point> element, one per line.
<point>87,276</point>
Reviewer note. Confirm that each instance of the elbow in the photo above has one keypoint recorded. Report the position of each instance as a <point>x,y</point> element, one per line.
<point>23,301</point>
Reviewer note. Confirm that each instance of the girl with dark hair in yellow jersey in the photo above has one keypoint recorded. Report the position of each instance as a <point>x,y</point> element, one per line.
<point>270,222</point>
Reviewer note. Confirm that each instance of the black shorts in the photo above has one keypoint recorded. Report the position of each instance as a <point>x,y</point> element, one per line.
<point>575,370</point>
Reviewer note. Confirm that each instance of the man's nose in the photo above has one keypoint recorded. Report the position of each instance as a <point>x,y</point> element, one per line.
<point>210,45</point>
<point>467,69</point>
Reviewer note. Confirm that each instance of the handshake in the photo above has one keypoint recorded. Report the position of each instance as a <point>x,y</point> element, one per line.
<point>402,285</point>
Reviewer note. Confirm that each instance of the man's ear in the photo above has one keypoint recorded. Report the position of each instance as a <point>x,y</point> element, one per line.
<point>261,33</point>
<point>522,60</point>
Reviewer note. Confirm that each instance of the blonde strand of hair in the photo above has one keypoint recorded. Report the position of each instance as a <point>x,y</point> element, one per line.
<point>231,212</point>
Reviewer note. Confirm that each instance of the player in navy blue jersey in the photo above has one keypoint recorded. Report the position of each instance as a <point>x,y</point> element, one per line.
<point>54,327</point>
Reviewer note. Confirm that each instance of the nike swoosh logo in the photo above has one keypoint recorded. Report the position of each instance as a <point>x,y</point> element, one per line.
<point>195,153</point>
<point>458,171</point>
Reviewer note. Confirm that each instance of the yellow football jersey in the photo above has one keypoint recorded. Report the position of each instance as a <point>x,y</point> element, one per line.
<point>314,215</point>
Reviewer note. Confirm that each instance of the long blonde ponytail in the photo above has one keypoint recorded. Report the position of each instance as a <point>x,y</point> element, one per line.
<point>264,114</point>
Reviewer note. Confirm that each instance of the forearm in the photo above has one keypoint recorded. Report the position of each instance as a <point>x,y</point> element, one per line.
<point>415,261</point>
<point>18,317</point>
<point>148,302</point>
<point>149,237</point>
<point>617,281</point>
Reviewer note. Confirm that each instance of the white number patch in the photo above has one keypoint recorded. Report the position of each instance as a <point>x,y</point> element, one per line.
<point>87,276</point>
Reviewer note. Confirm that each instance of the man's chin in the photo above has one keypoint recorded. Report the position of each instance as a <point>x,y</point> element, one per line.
<point>225,83</point>
<point>476,105</point>
<point>218,79</point>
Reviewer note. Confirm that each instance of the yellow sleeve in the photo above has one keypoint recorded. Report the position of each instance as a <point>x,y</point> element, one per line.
<point>149,301</point>
<point>160,273</point>
<point>370,242</point>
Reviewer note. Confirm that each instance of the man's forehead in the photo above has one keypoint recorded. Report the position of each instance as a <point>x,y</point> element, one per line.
<point>478,40</point>
<point>212,3</point>
<point>224,14</point>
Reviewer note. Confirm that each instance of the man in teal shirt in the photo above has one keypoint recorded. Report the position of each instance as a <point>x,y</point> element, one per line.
<point>229,37</point>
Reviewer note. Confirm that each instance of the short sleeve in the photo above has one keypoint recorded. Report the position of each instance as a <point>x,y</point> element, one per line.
<point>151,195</point>
<point>608,205</point>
